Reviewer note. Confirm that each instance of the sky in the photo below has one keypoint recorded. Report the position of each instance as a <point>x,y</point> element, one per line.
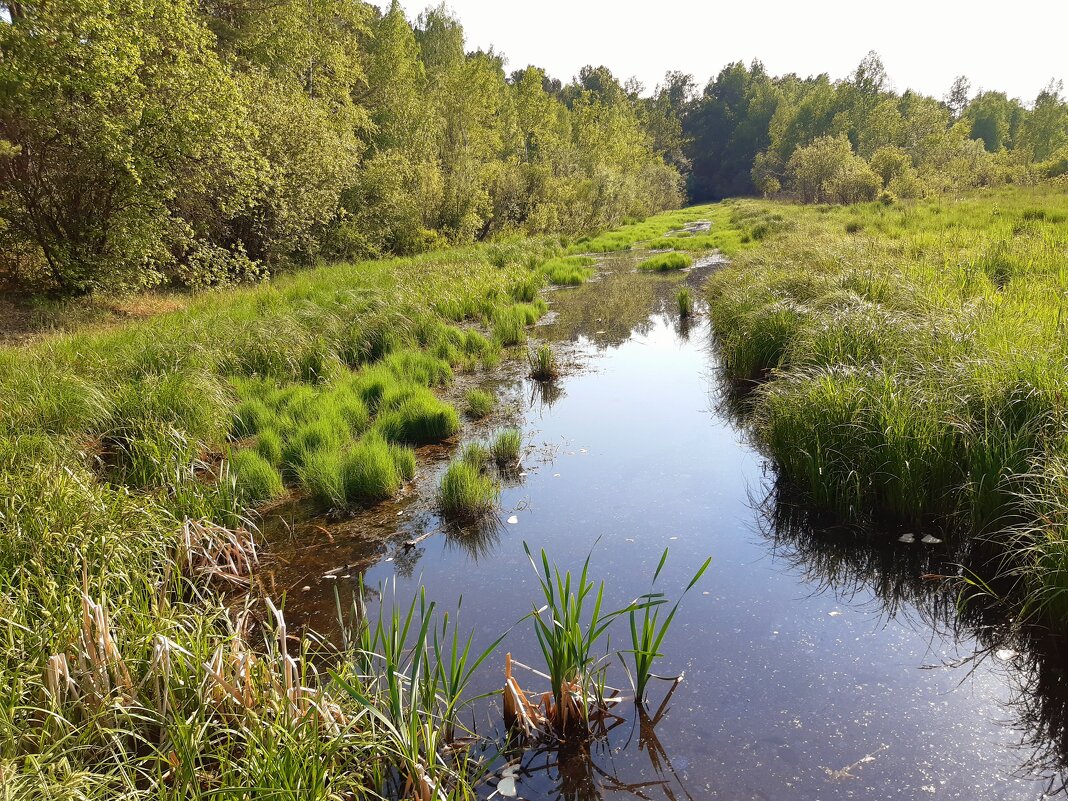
<point>1015,47</point>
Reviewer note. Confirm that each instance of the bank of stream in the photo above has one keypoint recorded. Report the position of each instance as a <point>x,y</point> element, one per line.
<point>818,664</point>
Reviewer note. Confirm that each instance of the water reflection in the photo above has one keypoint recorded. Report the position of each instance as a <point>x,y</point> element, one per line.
<point>922,585</point>
<point>783,687</point>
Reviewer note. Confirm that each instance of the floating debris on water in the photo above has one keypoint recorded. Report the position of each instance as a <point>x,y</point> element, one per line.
<point>909,538</point>
<point>929,540</point>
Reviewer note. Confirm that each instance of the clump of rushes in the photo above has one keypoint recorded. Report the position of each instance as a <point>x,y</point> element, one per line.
<point>373,470</point>
<point>685,300</point>
<point>543,364</point>
<point>506,447</point>
<point>568,270</point>
<point>418,417</point>
<point>509,326</point>
<point>467,492</point>
<point>480,403</point>
<point>665,262</point>
<point>476,455</point>
<point>255,479</point>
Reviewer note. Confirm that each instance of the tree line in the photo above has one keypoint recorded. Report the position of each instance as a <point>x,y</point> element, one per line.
<point>855,139</point>
<point>201,142</point>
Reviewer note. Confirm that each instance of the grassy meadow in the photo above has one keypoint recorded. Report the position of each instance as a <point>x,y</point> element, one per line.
<point>133,459</point>
<point>904,365</point>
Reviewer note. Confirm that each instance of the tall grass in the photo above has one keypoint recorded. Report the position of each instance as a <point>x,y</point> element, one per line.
<point>467,492</point>
<point>916,363</point>
<point>648,629</point>
<point>568,270</point>
<point>684,301</point>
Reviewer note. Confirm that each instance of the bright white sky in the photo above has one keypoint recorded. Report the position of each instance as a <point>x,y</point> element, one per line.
<point>1015,46</point>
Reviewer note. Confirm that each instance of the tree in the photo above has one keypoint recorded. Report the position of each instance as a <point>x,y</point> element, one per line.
<point>956,98</point>
<point>1046,127</point>
<point>122,116</point>
<point>828,171</point>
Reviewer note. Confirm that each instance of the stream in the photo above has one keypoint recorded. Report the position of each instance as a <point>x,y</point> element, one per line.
<point>818,664</point>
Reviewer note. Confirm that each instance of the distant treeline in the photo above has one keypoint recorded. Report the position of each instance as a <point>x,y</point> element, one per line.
<point>201,142</point>
<point>850,140</point>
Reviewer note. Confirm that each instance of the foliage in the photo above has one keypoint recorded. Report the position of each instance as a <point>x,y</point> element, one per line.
<point>144,142</point>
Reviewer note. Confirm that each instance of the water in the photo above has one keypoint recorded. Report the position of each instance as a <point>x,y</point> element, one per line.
<point>818,664</point>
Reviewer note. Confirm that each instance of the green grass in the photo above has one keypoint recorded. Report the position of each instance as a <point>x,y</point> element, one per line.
<point>112,482</point>
<point>665,262</point>
<point>568,270</point>
<point>467,492</point>
<point>480,403</point>
<point>256,479</point>
<point>543,364</point>
<point>684,301</point>
<point>506,447</point>
<point>918,353</point>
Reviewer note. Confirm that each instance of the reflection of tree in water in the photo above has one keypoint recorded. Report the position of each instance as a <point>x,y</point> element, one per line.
<point>909,581</point>
<point>609,311</point>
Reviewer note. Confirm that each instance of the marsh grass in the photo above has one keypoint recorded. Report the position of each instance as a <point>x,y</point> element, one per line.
<point>665,262</point>
<point>684,301</point>
<point>543,364</point>
<point>256,479</point>
<point>648,629</point>
<point>506,448</point>
<point>125,673</point>
<point>480,403</point>
<point>467,491</point>
<point>568,270</point>
<point>916,364</point>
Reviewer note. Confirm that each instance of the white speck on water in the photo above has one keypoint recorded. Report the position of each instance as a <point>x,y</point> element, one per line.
<point>1005,654</point>
<point>929,540</point>
<point>513,520</point>
<point>909,538</point>
<point>835,613</point>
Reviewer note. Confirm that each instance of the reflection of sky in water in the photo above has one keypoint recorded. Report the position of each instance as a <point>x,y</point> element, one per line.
<point>790,676</point>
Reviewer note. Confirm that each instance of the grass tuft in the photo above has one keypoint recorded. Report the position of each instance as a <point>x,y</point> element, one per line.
<point>664,262</point>
<point>467,492</point>
<point>480,403</point>
<point>543,364</point>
